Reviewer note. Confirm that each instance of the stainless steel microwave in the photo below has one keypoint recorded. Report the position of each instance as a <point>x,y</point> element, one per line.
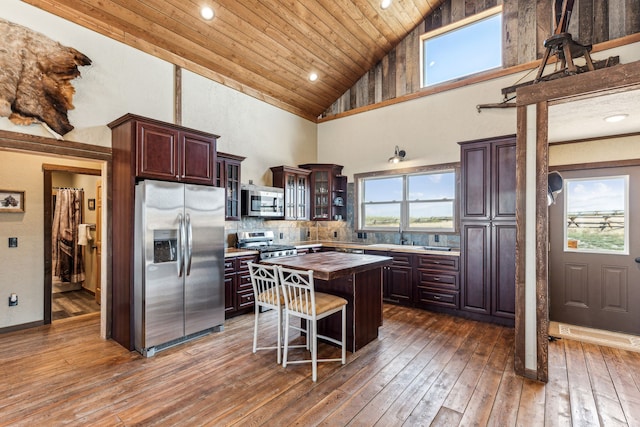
<point>267,202</point>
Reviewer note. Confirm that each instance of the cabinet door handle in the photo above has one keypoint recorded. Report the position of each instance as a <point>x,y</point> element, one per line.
<point>436,297</point>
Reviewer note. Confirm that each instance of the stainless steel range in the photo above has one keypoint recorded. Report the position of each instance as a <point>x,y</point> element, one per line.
<point>262,241</point>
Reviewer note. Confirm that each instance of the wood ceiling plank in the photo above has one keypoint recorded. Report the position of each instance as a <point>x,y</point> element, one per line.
<point>281,52</point>
<point>67,12</point>
<point>311,15</point>
<point>281,28</point>
<point>336,17</point>
<point>167,28</point>
<point>353,13</point>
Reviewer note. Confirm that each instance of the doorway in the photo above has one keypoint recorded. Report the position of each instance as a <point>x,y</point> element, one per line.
<point>72,273</point>
<point>594,279</point>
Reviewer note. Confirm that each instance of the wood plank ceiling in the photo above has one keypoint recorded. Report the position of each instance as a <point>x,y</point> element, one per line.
<point>264,48</point>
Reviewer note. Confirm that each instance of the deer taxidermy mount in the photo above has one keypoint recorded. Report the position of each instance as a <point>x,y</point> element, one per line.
<point>35,78</point>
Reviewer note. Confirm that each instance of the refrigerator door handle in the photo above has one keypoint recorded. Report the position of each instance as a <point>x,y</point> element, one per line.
<point>181,237</point>
<point>189,254</point>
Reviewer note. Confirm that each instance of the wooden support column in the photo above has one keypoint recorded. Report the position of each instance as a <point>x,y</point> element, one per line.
<point>177,95</point>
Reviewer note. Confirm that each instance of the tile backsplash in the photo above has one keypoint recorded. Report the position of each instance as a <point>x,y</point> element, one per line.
<point>341,231</point>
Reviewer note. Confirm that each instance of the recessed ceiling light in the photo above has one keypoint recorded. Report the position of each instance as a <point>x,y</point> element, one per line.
<point>615,118</point>
<point>385,4</point>
<point>313,77</point>
<point>207,13</point>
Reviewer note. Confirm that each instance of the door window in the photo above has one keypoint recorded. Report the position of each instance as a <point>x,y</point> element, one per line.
<point>596,215</point>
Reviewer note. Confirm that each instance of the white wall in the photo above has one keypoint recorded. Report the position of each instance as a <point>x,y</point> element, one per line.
<point>605,150</point>
<point>267,136</point>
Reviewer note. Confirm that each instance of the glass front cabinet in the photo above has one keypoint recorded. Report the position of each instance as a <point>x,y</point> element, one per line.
<point>228,177</point>
<point>295,182</point>
<point>328,189</point>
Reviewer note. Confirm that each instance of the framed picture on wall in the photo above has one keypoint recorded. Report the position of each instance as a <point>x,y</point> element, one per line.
<point>91,204</point>
<point>11,201</point>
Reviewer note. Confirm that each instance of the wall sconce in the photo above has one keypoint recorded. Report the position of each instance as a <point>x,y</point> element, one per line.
<point>398,156</point>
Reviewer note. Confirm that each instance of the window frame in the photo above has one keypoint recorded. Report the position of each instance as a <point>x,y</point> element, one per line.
<point>496,10</point>
<point>405,203</point>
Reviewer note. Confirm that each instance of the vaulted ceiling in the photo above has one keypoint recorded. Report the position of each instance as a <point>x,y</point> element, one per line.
<point>264,48</point>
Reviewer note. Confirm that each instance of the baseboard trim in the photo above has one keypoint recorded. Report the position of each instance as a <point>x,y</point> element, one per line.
<point>21,327</point>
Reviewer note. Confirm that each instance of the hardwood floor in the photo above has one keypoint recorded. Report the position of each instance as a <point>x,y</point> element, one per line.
<point>425,369</point>
<point>72,303</point>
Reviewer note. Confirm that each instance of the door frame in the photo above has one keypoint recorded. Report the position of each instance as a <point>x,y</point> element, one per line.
<point>32,144</point>
<point>48,170</point>
<point>532,146</point>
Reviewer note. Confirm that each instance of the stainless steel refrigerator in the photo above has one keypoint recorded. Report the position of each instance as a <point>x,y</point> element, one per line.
<point>179,263</point>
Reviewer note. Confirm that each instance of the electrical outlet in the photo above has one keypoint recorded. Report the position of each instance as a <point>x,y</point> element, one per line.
<point>436,238</point>
<point>359,235</point>
<point>308,234</point>
<point>13,300</point>
<point>281,235</point>
<point>335,234</point>
<point>13,242</point>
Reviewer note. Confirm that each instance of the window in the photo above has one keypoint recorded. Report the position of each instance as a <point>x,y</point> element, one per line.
<point>596,214</point>
<point>463,48</point>
<point>421,199</point>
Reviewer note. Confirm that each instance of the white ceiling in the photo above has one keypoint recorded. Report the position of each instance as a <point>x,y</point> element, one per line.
<point>584,118</point>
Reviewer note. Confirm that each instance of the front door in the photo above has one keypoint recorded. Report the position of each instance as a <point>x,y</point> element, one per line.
<point>594,229</point>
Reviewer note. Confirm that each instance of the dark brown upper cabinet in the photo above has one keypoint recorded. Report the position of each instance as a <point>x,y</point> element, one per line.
<point>295,182</point>
<point>171,153</point>
<point>488,179</point>
<point>328,191</point>
<point>228,177</point>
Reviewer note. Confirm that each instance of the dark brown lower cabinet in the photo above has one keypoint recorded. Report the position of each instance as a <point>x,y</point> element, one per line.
<point>397,278</point>
<point>237,281</point>
<point>437,284</point>
<point>488,270</point>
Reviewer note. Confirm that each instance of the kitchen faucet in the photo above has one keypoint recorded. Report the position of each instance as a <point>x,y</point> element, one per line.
<point>403,241</point>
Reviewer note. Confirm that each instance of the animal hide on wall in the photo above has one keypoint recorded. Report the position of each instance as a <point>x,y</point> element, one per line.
<point>35,77</point>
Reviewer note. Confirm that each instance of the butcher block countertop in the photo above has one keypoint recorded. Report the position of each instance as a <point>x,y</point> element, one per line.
<point>332,265</point>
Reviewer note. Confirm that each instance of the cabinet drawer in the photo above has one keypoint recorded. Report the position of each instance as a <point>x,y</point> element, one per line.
<point>436,297</point>
<point>243,262</point>
<point>437,279</point>
<point>229,266</point>
<point>402,259</point>
<point>245,299</point>
<point>438,262</point>
<point>244,282</point>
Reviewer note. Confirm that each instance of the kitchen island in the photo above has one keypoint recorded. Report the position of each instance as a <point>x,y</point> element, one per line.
<point>354,277</point>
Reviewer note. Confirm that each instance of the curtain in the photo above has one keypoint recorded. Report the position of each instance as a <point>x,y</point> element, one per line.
<point>67,254</point>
